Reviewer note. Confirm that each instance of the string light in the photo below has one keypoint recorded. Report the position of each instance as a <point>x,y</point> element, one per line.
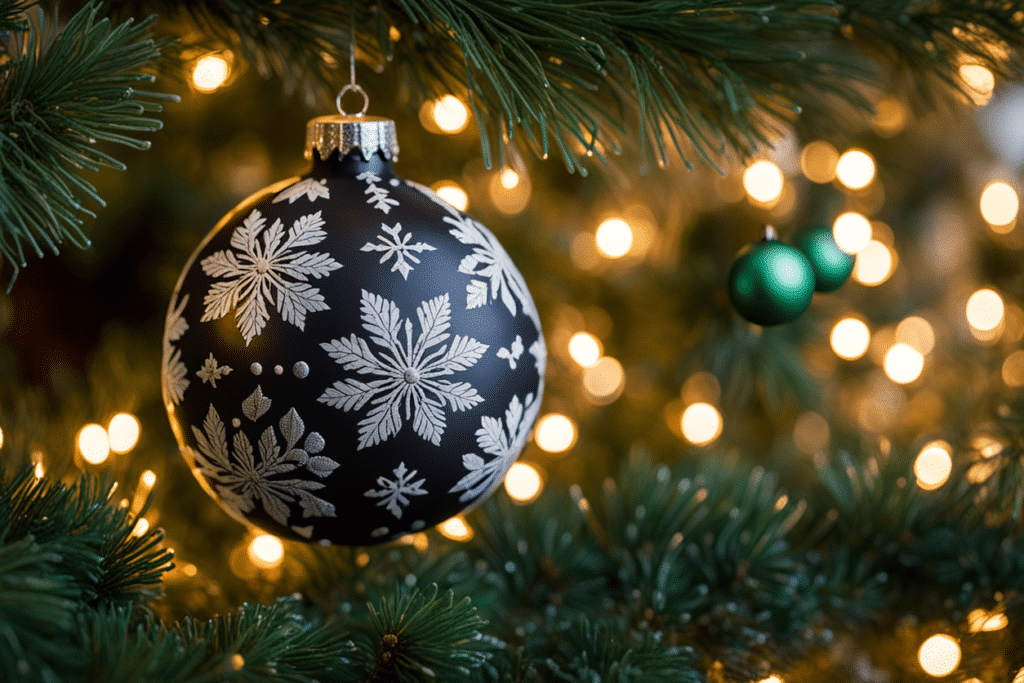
<point>555,433</point>
<point>453,194</point>
<point>985,310</point>
<point>1013,369</point>
<point>771,679</point>
<point>523,482</point>
<point>266,551</point>
<point>509,198</point>
<point>874,264</point>
<point>210,72</point>
<point>93,444</point>
<point>979,83</point>
<point>933,465</point>
<point>509,178</point>
<point>141,527</point>
<point>890,117</point>
<point>763,181</point>
<point>701,423</point>
<point>1,438</point>
<point>123,432</point>
<point>604,380</point>
<point>850,338</point>
<point>450,114</point>
<point>37,460</point>
<point>148,478</point>
<point>585,349</point>
<point>903,363</point>
<point>999,204</point>
<point>855,169</point>
<point>939,655</point>
<point>917,333</point>
<point>851,231</point>
<point>456,529</point>
<point>818,162</point>
<point>614,238</point>
<point>982,620</point>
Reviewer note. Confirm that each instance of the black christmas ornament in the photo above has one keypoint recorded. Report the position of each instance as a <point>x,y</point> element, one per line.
<point>348,358</point>
<point>832,266</point>
<point>771,283</point>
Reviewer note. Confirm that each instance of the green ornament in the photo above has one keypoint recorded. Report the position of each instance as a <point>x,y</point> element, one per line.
<point>832,266</point>
<point>771,283</point>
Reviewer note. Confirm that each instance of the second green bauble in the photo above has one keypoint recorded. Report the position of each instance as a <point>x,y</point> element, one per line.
<point>832,266</point>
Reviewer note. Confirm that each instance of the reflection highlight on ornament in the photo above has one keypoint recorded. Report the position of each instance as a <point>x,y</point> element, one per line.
<point>985,310</point>
<point>523,482</point>
<point>855,169</point>
<point>555,433</point>
<point>851,231</point>
<point>939,655</point>
<point>999,204</point>
<point>614,238</point>
<point>701,423</point>
<point>874,264</point>
<point>450,114</point>
<point>933,465</point>
<point>123,432</point>
<point>93,444</point>
<point>456,529</point>
<point>211,71</point>
<point>763,181</point>
<point>604,380</point>
<point>903,363</point>
<point>266,551</point>
<point>850,338</point>
<point>452,193</point>
<point>585,349</point>
<point>818,161</point>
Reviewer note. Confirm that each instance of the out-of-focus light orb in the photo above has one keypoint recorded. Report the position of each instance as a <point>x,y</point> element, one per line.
<point>39,470</point>
<point>614,238</point>
<point>266,551</point>
<point>93,444</point>
<point>982,620</point>
<point>917,332</point>
<point>210,72</point>
<point>123,432</point>
<point>456,529</point>
<point>763,181</point>
<point>985,310</point>
<point>509,200</point>
<point>509,178</point>
<point>811,433</point>
<point>1019,676</point>
<point>604,380</point>
<point>818,161</point>
<point>903,363</point>
<point>851,231</point>
<point>555,433</point>
<point>450,114</point>
<point>1,438</point>
<point>874,264</point>
<point>933,465</point>
<point>148,478</point>
<point>141,527</point>
<point>1013,369</point>
<point>453,194</point>
<point>999,203</point>
<point>701,423</point>
<point>939,655</point>
<point>979,82</point>
<point>585,349</point>
<point>850,338</point>
<point>771,679</point>
<point>855,169</point>
<point>523,482</point>
<point>890,117</point>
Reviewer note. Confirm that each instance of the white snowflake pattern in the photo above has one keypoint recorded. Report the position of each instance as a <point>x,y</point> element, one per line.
<point>212,371</point>
<point>410,371</point>
<point>311,188</point>
<point>240,478</point>
<point>393,493</point>
<point>258,271</point>
<point>172,368</point>
<point>512,355</point>
<point>539,351</point>
<point>503,441</point>
<point>379,196</point>
<point>398,247</point>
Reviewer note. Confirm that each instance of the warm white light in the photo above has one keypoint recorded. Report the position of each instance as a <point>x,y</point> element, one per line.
<point>903,363</point>
<point>999,203</point>
<point>763,181</point>
<point>1,438</point>
<point>39,470</point>
<point>523,482</point>
<point>93,444</point>
<point>453,194</point>
<point>985,310</point>
<point>850,338</point>
<point>210,73</point>
<point>818,161</point>
<point>855,169</point>
<point>604,380</point>
<point>771,679</point>
<point>585,349</point>
<point>148,478</point>
<point>141,527</point>
<point>933,465</point>
<point>266,551</point>
<point>979,82</point>
<point>982,620</point>
<point>509,178</point>
<point>851,231</point>
<point>123,432</point>
<point>450,114</point>
<point>555,433</point>
<point>701,423</point>
<point>873,265</point>
<point>614,238</point>
<point>939,655</point>
<point>456,529</point>
<point>916,332</point>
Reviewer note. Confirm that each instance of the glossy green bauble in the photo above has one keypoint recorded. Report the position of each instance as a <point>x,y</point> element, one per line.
<point>832,266</point>
<point>771,283</point>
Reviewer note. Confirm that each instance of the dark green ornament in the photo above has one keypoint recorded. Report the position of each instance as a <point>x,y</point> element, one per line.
<point>771,283</point>
<point>832,266</point>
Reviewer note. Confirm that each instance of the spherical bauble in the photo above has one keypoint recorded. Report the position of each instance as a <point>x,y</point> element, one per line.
<point>771,283</point>
<point>832,266</point>
<point>348,358</point>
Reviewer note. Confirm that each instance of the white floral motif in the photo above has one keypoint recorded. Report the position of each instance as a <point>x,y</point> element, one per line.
<point>539,351</point>
<point>502,441</point>
<point>512,355</point>
<point>393,493</point>
<point>212,371</point>
<point>397,247</point>
<point>378,195</point>
<point>240,478</point>
<point>173,369</point>
<point>409,370</point>
<point>309,187</point>
<point>256,271</point>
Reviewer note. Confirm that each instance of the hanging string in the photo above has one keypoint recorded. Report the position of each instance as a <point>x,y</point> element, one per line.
<point>352,85</point>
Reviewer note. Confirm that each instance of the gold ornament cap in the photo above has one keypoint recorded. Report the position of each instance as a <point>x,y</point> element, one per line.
<point>347,132</point>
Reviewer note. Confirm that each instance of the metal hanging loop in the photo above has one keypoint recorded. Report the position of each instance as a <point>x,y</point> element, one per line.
<point>352,87</point>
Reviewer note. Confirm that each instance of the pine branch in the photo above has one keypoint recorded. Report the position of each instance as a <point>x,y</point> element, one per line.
<point>61,95</point>
<point>11,12</point>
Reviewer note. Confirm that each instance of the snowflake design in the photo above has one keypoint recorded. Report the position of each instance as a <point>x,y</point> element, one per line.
<point>309,187</point>
<point>504,441</point>
<point>379,196</point>
<point>398,247</point>
<point>240,478</point>
<point>512,355</point>
<point>393,494</point>
<point>258,270</point>
<point>172,368</point>
<point>409,370</point>
<point>539,351</point>
<point>211,371</point>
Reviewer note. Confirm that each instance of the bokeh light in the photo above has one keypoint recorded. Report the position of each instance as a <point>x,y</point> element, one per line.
<point>855,169</point>
<point>93,444</point>
<point>980,620</point>
<point>916,332</point>
<point>1013,369</point>
<point>123,432</point>
<point>978,81</point>
<point>210,72</point>
<point>985,310</point>
<point>851,231</point>
<point>148,478</point>
<point>456,529</point>
<point>614,238</point>
<point>850,338</point>
<point>811,433</point>
<point>771,679</point>
<point>266,551</point>
<point>523,482</point>
<point>141,527</point>
<point>903,363</point>
<point>763,181</point>
<point>450,114</point>
<point>933,465</point>
<point>890,117</point>
<point>701,423</point>
<point>604,380</point>
<point>939,655</point>
<point>555,433</point>
<point>1,438</point>
<point>874,264</point>
<point>999,204</point>
<point>585,349</point>
<point>453,194</point>
<point>818,161</point>
<point>509,178</point>
<point>510,200</point>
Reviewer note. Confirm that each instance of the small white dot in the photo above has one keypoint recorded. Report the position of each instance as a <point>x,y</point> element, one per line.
<point>325,543</point>
<point>236,423</point>
<point>379,532</point>
<point>256,369</point>
<point>301,369</point>
<point>278,370</point>
<point>417,525</point>
<point>393,182</point>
